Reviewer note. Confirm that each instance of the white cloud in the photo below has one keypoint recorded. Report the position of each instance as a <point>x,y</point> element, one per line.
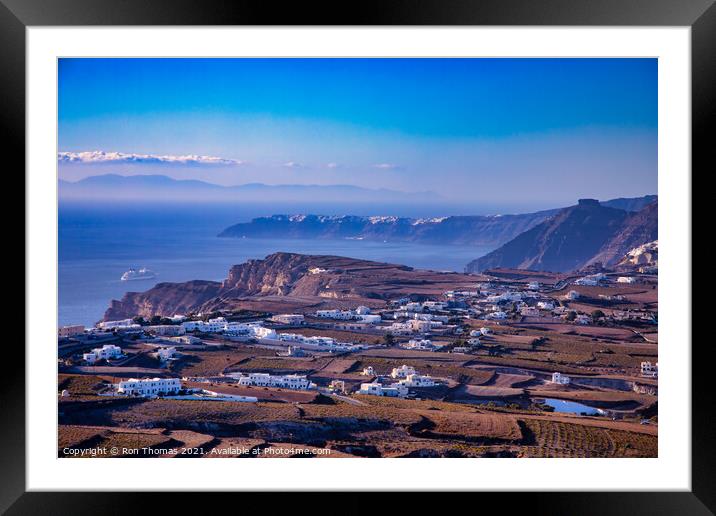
<point>293,164</point>
<point>386,166</point>
<point>97,157</point>
<point>332,165</point>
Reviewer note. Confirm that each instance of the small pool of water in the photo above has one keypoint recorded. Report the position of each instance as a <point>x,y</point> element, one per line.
<point>572,407</point>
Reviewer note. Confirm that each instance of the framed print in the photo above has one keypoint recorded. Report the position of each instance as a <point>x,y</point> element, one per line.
<point>438,245</point>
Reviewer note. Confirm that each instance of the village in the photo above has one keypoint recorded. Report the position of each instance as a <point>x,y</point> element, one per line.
<point>568,349</point>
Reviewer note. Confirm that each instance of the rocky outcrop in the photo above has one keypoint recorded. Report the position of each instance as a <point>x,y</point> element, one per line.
<point>578,236</point>
<point>317,280</point>
<point>164,299</point>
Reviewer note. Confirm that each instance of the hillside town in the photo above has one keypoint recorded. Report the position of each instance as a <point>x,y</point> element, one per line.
<point>581,348</point>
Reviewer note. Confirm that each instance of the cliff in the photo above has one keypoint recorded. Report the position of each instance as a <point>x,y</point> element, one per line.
<point>466,230</point>
<point>283,281</point>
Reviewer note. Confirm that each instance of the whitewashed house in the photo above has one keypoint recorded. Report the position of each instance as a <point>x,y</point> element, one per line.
<point>376,389</point>
<point>166,330</point>
<point>167,353</point>
<point>650,370</point>
<point>289,381</point>
<point>106,352</point>
<point>529,311</point>
<point>582,319</point>
<point>499,315</point>
<point>626,279</point>
<point>368,371</point>
<point>418,380</point>
<point>419,344</point>
<point>402,371</point>
<point>122,324</point>
<point>560,379</point>
<point>149,386</point>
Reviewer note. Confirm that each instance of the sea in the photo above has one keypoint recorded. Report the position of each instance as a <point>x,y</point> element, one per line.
<point>99,242</point>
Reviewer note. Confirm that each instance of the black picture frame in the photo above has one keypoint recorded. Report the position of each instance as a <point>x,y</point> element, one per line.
<point>17,15</point>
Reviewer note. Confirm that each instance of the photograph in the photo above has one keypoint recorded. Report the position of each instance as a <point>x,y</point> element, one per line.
<point>357,257</point>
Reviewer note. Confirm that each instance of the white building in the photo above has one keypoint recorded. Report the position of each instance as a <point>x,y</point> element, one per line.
<point>591,280</point>
<point>289,381</point>
<point>402,371</point>
<point>474,341</point>
<point>167,353</point>
<point>420,344</point>
<point>496,315</point>
<point>649,370</point>
<point>369,318</point>
<point>186,340</point>
<point>341,315</point>
<point>123,324</point>
<point>418,380</point>
<point>582,319</point>
<point>560,379</point>
<point>533,285</point>
<point>485,330</point>
<point>70,331</point>
<point>545,305</point>
<point>291,319</point>
<point>399,329</point>
<point>434,305</point>
<point>572,295</point>
<point>362,310</point>
<point>166,330</point>
<point>529,311</point>
<point>106,352</point>
<point>368,371</point>
<point>211,326</point>
<point>149,386</point>
<point>395,390</point>
<point>626,279</point>
<point>264,333</point>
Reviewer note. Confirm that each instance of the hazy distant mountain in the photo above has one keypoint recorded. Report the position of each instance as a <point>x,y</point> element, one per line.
<point>466,230</point>
<point>577,236</point>
<point>479,230</point>
<point>157,188</point>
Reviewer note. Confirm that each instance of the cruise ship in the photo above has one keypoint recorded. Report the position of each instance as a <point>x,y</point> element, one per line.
<point>138,274</point>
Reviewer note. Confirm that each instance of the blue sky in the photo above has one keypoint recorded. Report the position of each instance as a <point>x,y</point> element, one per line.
<point>468,129</point>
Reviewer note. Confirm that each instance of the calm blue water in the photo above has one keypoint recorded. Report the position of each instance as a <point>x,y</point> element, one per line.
<point>98,243</point>
<point>571,407</point>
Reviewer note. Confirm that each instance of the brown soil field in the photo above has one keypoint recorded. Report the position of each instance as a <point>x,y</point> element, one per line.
<point>277,364</point>
<point>213,362</point>
<point>561,439</point>
<point>454,371</point>
<point>337,366</point>
<point>480,391</point>
<point>405,354</point>
<point>262,393</point>
<point>80,384</point>
<point>510,380</point>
